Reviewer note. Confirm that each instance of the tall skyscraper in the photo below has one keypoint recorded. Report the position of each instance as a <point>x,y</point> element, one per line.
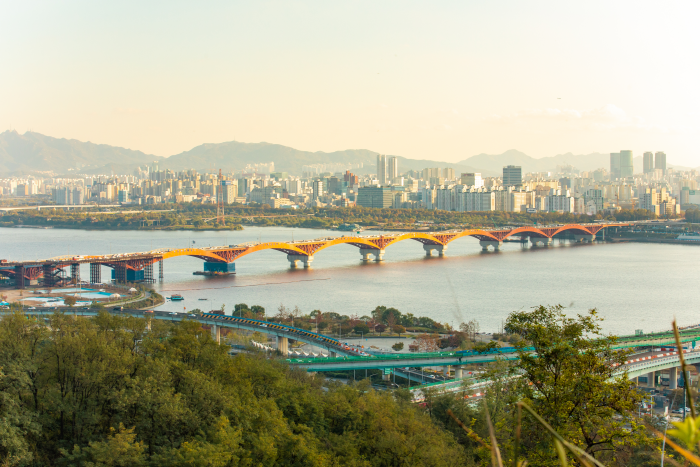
<point>512,176</point>
<point>626,164</point>
<point>614,165</point>
<point>660,161</point>
<point>381,169</point>
<point>317,188</point>
<point>392,169</point>
<point>648,162</point>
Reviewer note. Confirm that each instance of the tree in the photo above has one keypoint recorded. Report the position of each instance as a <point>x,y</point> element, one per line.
<point>380,328</point>
<point>398,346</point>
<point>378,314</point>
<point>398,329</point>
<point>282,312</point>
<point>322,325</point>
<point>257,310</point>
<point>391,316</point>
<point>471,328</point>
<point>120,449</point>
<point>427,343</point>
<point>70,300</point>
<point>361,328</point>
<point>569,378</point>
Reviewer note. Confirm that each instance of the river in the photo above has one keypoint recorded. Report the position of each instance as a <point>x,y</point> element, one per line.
<point>633,285</point>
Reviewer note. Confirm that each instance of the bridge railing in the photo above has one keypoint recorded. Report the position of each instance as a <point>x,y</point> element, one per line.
<point>378,358</point>
<point>267,323</point>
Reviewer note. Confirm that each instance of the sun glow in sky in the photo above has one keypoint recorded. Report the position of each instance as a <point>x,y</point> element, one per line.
<point>434,80</point>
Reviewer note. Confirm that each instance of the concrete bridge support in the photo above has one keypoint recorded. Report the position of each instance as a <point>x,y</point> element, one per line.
<point>386,377</point>
<point>651,379</point>
<point>283,345</point>
<point>458,372</point>
<point>366,252</point>
<point>673,378</point>
<point>216,333</point>
<point>485,244</point>
<point>439,248</point>
<point>303,258</point>
<point>19,277</point>
<point>541,241</point>
<point>584,238</point>
<point>446,371</point>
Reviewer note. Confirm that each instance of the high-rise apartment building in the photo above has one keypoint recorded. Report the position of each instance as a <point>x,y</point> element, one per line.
<point>317,187</point>
<point>626,164</point>
<point>648,162</point>
<point>660,161</point>
<point>472,180</point>
<point>512,176</point>
<point>374,197</point>
<point>392,169</point>
<point>614,165</point>
<point>381,169</point>
<point>431,173</point>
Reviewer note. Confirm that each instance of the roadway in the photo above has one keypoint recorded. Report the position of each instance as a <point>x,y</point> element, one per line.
<point>344,357</point>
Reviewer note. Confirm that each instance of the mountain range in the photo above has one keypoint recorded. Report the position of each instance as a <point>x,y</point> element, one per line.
<point>33,153</point>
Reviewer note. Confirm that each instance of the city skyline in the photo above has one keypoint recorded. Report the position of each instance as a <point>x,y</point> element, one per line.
<point>421,85</point>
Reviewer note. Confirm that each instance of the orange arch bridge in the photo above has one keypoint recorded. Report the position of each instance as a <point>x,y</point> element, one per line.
<point>220,260</point>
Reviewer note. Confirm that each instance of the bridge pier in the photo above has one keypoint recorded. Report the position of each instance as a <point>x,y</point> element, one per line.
<point>439,248</point>
<point>283,345</point>
<point>651,379</point>
<point>216,333</point>
<point>19,277</point>
<point>213,268</point>
<point>446,371</point>
<point>95,273</point>
<point>303,258</point>
<point>541,241</point>
<point>458,372</point>
<point>49,275</point>
<point>386,377</point>
<point>75,273</point>
<point>160,270</point>
<point>485,244</point>
<point>377,253</point>
<point>585,238</point>
<point>673,378</point>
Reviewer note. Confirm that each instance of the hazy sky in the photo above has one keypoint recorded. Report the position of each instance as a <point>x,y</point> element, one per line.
<point>437,80</point>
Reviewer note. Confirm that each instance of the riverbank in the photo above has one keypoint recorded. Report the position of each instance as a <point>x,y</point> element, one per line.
<point>652,240</point>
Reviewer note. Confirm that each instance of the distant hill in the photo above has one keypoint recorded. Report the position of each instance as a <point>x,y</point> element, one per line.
<point>234,156</point>
<point>33,152</point>
<point>495,163</point>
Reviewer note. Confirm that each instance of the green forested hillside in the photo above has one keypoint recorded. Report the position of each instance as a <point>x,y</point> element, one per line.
<point>94,392</point>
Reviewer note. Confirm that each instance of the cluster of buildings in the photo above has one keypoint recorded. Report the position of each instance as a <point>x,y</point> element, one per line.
<point>656,188</point>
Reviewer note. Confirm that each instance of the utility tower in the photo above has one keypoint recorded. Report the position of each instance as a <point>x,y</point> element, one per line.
<point>220,200</point>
